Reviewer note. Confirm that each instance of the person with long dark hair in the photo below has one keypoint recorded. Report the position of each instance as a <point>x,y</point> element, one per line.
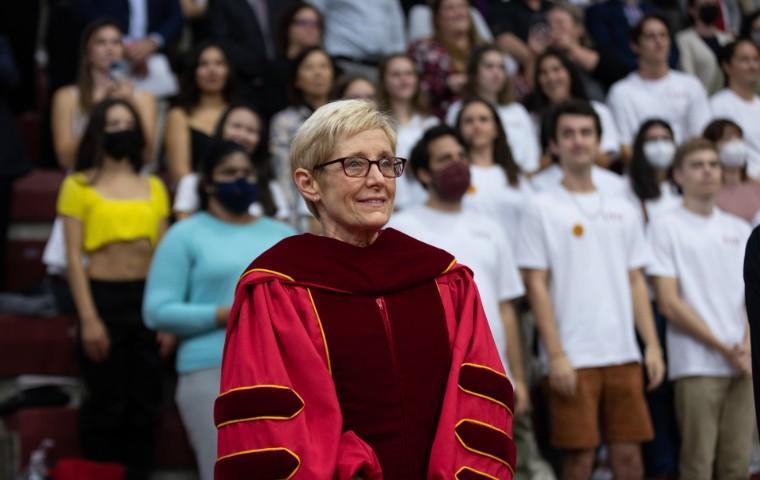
<point>192,282</point>
<point>487,78</point>
<point>498,189</point>
<point>648,183</point>
<point>310,82</point>
<point>102,74</point>
<point>207,88</point>
<point>558,80</point>
<point>242,125</point>
<point>114,216</point>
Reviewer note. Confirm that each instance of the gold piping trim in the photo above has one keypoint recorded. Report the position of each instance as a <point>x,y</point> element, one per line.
<point>250,419</point>
<point>277,449</point>
<point>264,270</point>
<point>322,331</point>
<point>478,451</point>
<point>485,397</point>
<point>456,475</point>
<point>451,265</point>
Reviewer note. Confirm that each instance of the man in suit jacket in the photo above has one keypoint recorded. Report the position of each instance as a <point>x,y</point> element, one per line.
<point>246,28</point>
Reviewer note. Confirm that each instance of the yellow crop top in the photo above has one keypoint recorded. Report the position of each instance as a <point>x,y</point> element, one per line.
<point>106,220</point>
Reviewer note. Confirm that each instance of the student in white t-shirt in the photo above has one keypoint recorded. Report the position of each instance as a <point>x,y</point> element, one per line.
<point>740,61</point>
<point>698,253</point>
<point>648,186</point>
<point>487,78</point>
<point>656,91</point>
<point>400,94</point>
<point>498,189</point>
<point>582,252</point>
<point>441,164</point>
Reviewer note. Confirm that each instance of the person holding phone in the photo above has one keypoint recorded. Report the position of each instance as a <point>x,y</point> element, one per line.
<point>102,74</point>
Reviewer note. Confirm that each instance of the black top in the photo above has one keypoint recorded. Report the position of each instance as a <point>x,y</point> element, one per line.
<point>199,143</point>
<point>752,298</point>
<point>516,17</point>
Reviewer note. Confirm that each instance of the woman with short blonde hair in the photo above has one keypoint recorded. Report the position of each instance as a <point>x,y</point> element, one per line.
<point>369,347</point>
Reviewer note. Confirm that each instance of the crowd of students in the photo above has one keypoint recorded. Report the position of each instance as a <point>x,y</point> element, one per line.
<point>595,166</point>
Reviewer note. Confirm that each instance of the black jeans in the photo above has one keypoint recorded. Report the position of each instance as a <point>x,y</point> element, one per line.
<point>121,410</point>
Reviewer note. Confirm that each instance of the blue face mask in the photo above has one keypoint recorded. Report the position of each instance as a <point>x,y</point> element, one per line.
<point>236,196</point>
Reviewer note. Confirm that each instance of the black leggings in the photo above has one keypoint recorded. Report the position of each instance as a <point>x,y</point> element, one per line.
<point>119,416</point>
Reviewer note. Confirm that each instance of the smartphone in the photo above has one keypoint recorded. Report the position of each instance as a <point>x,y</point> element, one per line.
<point>119,71</point>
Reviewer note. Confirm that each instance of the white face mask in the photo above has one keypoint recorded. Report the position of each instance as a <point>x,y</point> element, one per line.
<point>659,153</point>
<point>734,154</point>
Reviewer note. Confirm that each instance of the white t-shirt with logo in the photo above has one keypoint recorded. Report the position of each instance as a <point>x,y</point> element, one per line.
<point>588,243</point>
<point>492,196</point>
<point>678,98</point>
<point>522,136</point>
<point>605,181</point>
<point>477,242</point>
<point>409,191</point>
<point>727,104</point>
<point>706,255</point>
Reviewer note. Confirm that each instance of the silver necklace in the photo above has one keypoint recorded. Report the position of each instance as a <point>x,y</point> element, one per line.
<point>591,216</point>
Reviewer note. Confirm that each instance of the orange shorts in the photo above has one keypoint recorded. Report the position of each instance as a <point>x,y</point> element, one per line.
<point>614,395</point>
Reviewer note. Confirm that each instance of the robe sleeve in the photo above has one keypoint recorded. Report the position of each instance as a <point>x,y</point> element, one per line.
<point>278,415</point>
<point>474,435</point>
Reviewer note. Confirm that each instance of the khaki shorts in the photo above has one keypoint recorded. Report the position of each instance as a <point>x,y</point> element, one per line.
<point>614,395</point>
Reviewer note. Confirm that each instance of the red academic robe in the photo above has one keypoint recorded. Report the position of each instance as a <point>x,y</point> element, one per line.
<point>374,362</point>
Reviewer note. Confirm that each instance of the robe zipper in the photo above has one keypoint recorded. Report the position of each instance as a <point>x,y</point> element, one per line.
<point>388,332</point>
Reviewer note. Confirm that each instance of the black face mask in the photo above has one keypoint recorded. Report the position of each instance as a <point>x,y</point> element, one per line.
<point>122,144</point>
<point>236,196</point>
<point>709,13</point>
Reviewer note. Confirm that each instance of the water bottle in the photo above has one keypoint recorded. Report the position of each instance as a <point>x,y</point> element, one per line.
<point>38,468</point>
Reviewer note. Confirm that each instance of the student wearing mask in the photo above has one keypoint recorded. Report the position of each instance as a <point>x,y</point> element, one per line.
<point>101,58</point>
<point>115,217</point>
<point>739,194</point>
<point>242,125</point>
<point>648,185</point>
<point>192,282</point>
<point>708,335</point>
<point>738,102</point>
<point>582,251</point>
<point>440,163</point>
<point>655,90</point>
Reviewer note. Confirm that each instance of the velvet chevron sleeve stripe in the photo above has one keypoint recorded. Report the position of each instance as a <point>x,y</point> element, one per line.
<point>486,383</point>
<point>486,440</point>
<point>257,402</point>
<point>467,473</point>
<point>263,464</point>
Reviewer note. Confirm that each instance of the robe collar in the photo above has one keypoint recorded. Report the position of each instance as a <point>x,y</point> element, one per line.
<point>394,262</point>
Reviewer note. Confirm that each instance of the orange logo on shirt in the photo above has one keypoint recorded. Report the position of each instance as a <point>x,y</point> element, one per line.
<point>578,230</point>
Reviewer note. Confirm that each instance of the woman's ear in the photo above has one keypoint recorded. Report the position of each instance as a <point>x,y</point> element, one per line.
<point>307,184</point>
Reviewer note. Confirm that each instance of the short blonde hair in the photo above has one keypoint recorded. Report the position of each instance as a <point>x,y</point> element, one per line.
<point>317,138</point>
<point>315,141</point>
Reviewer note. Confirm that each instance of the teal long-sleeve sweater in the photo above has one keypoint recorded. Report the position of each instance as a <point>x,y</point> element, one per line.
<point>195,270</point>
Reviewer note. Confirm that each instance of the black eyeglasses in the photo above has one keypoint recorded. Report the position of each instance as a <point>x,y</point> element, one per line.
<point>359,166</point>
